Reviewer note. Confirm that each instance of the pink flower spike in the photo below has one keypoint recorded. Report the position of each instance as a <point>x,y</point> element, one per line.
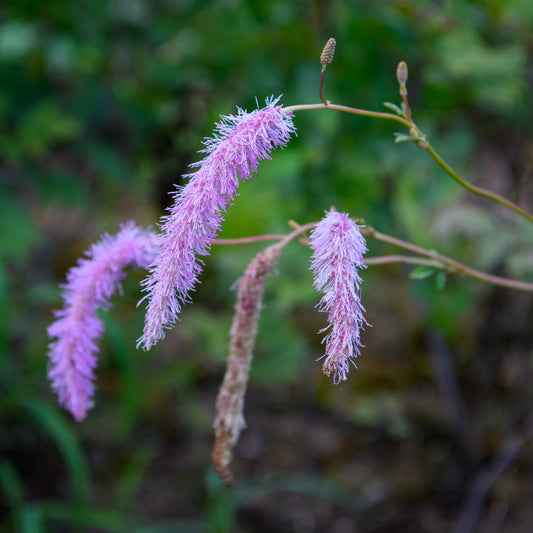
<point>233,153</point>
<point>338,249</point>
<point>77,328</point>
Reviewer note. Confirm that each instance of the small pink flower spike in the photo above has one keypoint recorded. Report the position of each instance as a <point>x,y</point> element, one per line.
<point>338,249</point>
<point>77,328</point>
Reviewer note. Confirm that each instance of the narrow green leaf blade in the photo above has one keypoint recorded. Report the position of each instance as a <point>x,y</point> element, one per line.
<point>393,107</point>
<point>422,272</point>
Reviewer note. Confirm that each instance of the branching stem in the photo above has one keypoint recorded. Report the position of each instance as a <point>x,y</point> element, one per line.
<point>432,258</point>
<point>248,240</point>
<point>347,109</point>
<point>452,266</point>
<point>473,188</point>
<point>480,191</point>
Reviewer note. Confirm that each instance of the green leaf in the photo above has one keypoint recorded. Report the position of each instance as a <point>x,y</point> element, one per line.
<point>402,137</point>
<point>123,349</point>
<point>61,433</point>
<point>393,107</point>
<point>422,272</point>
<point>129,481</point>
<point>31,519</point>
<point>13,491</point>
<point>88,519</point>
<point>440,279</point>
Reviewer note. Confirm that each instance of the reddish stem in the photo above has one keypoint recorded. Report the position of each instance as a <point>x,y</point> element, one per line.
<point>321,85</point>
<point>247,240</point>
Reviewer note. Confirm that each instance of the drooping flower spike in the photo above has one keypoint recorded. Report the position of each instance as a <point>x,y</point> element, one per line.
<point>77,328</point>
<point>338,248</point>
<point>233,154</point>
<point>229,419</point>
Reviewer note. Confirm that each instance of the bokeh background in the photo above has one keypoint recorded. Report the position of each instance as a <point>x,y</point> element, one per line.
<point>103,105</point>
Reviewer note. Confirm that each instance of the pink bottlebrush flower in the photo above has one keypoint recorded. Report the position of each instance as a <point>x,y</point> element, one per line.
<point>77,328</point>
<point>233,154</point>
<point>338,249</point>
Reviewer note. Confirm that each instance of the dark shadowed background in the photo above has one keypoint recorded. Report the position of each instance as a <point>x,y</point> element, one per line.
<point>103,105</point>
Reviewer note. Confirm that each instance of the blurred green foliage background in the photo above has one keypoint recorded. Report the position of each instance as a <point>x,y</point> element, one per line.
<point>103,105</point>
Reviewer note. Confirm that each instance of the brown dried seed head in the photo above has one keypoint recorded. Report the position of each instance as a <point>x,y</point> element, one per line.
<point>326,57</point>
<point>229,420</point>
<point>401,72</point>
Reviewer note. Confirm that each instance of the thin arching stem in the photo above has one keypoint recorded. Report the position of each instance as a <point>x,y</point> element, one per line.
<point>453,266</point>
<point>347,109</point>
<point>480,191</point>
<point>283,238</point>
<point>408,259</point>
<point>432,258</point>
<point>473,188</point>
<point>248,240</point>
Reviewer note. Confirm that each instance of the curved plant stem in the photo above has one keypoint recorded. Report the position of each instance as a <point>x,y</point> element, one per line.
<point>452,266</point>
<point>248,240</point>
<point>283,238</point>
<point>346,109</point>
<point>409,259</point>
<point>480,191</point>
<point>473,188</point>
<point>432,258</point>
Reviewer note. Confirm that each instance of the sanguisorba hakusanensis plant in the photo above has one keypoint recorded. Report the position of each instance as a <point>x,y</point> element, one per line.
<point>173,259</point>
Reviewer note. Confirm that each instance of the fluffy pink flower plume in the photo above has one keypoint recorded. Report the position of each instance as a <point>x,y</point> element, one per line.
<point>77,328</point>
<point>338,249</point>
<point>233,154</point>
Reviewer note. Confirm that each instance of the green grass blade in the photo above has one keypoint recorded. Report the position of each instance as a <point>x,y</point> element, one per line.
<point>13,491</point>
<point>123,350</point>
<point>55,425</point>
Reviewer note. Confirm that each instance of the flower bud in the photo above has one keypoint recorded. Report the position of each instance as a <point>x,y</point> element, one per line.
<point>326,57</point>
<point>401,73</point>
